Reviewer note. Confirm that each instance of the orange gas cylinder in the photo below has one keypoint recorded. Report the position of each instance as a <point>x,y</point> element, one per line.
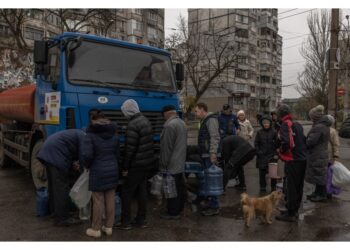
<point>18,104</point>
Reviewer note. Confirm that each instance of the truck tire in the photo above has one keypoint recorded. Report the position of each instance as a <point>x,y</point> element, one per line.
<point>37,169</point>
<point>5,161</point>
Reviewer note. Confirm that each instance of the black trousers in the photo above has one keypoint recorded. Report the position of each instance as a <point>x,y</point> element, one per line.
<point>262,179</point>
<point>59,187</point>
<point>231,172</point>
<point>176,205</point>
<point>295,174</point>
<point>135,184</point>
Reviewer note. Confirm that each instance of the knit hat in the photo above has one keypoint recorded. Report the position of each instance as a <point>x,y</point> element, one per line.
<point>316,113</point>
<point>130,108</point>
<point>331,119</point>
<point>168,108</point>
<point>283,110</point>
<point>241,112</point>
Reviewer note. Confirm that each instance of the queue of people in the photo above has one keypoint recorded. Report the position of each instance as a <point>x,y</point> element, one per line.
<point>223,140</point>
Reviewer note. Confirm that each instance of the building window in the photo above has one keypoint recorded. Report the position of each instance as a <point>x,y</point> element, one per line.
<point>122,25</point>
<point>33,34</point>
<point>264,79</point>
<point>152,16</point>
<point>239,73</point>
<point>152,33</point>
<point>138,11</point>
<point>242,19</point>
<point>252,89</point>
<point>274,81</point>
<point>274,12</point>
<point>237,101</point>
<point>4,30</point>
<point>265,31</point>
<point>240,87</point>
<point>242,33</point>
<point>138,26</point>
<point>35,14</point>
<point>242,60</point>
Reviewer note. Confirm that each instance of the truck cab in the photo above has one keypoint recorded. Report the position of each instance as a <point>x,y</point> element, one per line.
<point>76,73</point>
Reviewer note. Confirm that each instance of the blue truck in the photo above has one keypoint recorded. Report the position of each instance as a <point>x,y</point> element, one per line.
<point>76,73</point>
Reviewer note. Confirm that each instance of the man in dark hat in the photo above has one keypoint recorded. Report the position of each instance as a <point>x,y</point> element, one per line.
<point>173,146</point>
<point>228,122</point>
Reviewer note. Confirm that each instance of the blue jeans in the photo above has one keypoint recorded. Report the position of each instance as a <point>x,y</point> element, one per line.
<point>213,200</point>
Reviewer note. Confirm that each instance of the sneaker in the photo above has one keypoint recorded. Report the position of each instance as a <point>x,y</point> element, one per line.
<point>68,222</point>
<point>167,216</point>
<point>286,217</point>
<point>241,187</point>
<point>124,227</point>
<point>210,212</point>
<point>139,224</point>
<point>107,230</point>
<point>318,198</point>
<point>93,233</point>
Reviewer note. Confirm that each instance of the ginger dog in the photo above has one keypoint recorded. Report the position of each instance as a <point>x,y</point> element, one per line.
<point>261,206</point>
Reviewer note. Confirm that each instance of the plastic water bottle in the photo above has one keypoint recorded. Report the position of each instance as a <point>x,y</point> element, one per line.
<point>214,180</point>
<point>157,183</point>
<point>85,212</point>
<point>118,209</point>
<point>169,187</point>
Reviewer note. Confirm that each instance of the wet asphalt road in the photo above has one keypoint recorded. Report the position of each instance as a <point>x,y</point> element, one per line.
<point>328,221</point>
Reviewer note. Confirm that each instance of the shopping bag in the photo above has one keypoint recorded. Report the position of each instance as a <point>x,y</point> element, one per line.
<point>80,193</point>
<point>341,175</point>
<point>157,184</point>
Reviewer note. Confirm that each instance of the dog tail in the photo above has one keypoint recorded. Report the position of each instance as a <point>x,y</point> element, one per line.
<point>244,199</point>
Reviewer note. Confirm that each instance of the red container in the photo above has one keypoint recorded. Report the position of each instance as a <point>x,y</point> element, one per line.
<point>18,104</point>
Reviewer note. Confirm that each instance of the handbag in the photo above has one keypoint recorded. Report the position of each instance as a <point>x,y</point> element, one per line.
<point>80,193</point>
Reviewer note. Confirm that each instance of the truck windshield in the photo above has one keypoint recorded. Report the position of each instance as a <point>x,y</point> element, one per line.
<point>97,63</point>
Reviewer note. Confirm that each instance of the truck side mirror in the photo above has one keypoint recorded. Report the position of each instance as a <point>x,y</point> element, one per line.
<point>180,74</point>
<point>40,52</point>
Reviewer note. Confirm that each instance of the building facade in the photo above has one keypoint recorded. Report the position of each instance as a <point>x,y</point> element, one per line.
<point>142,26</point>
<point>253,82</point>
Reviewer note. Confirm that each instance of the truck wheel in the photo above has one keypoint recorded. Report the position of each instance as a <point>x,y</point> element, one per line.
<point>37,169</point>
<point>5,161</point>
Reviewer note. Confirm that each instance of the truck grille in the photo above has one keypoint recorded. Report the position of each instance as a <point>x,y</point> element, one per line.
<point>117,116</point>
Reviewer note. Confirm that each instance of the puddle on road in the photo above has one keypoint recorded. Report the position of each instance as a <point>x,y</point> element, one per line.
<point>232,212</point>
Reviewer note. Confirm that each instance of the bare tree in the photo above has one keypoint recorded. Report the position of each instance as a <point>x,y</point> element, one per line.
<point>313,81</point>
<point>74,20</point>
<point>15,18</point>
<point>104,20</point>
<point>205,55</point>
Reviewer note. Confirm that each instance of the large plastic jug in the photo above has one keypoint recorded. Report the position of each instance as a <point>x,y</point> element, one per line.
<point>211,181</point>
<point>157,184</point>
<point>273,167</point>
<point>42,202</point>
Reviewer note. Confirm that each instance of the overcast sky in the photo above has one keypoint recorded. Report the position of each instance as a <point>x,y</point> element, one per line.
<point>294,31</point>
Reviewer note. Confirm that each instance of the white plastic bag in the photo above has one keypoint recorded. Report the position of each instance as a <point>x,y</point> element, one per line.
<point>80,193</point>
<point>341,175</point>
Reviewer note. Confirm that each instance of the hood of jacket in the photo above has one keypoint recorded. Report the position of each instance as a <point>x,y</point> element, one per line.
<point>325,121</point>
<point>130,108</point>
<point>265,117</point>
<point>103,128</point>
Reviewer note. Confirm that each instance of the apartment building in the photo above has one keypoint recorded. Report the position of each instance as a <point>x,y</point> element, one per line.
<point>253,83</point>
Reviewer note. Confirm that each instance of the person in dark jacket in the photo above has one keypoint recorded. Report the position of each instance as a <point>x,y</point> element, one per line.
<point>236,152</point>
<point>317,153</point>
<point>58,154</point>
<point>292,150</point>
<point>228,122</point>
<point>208,148</point>
<point>265,146</point>
<point>100,153</point>
<point>138,160</point>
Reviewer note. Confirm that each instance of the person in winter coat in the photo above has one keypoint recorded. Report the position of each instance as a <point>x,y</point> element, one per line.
<point>236,152</point>
<point>333,145</point>
<point>100,154</point>
<point>138,161</point>
<point>208,147</point>
<point>292,150</point>
<point>173,147</point>
<point>58,154</point>
<point>265,146</point>
<point>228,123</point>
<point>317,153</point>
<point>246,130</point>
